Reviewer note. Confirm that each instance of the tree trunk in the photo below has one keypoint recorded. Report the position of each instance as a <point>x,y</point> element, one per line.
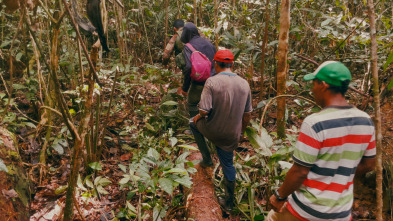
<point>282,65</point>
<point>166,22</point>
<point>216,22</point>
<point>80,143</point>
<point>202,202</point>
<point>377,107</point>
<point>264,43</point>
<point>195,12</point>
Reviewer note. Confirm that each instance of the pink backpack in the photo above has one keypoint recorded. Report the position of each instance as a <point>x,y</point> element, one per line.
<point>200,65</point>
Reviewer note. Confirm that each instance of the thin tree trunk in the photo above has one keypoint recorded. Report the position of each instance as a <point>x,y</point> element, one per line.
<point>216,22</point>
<point>195,12</point>
<point>263,54</point>
<point>166,22</point>
<point>80,143</point>
<point>282,65</point>
<point>377,104</point>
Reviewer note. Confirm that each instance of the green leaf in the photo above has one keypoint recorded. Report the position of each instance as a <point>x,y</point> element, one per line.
<point>5,43</point>
<point>285,165</point>
<point>102,181</point>
<point>177,170</point>
<point>149,127</point>
<point>182,158</point>
<point>123,168</point>
<point>153,153</point>
<point>188,147</point>
<point>170,103</point>
<point>101,190</point>
<point>3,167</point>
<point>58,148</point>
<point>158,213</point>
<point>173,141</point>
<point>29,124</point>
<point>18,86</point>
<point>257,141</point>
<point>95,166</point>
<point>388,61</point>
<point>167,185</point>
<point>80,184</point>
<point>123,133</point>
<point>390,85</point>
<point>185,181</point>
<point>60,190</point>
<point>89,183</point>
<point>124,180</point>
<point>18,56</point>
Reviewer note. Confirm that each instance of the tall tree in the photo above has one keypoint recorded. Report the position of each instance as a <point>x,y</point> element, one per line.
<point>166,21</point>
<point>377,104</point>
<point>282,65</point>
<point>195,12</point>
<point>216,22</point>
<point>263,54</point>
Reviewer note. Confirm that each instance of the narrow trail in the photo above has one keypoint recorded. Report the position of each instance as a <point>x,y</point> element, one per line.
<point>202,204</point>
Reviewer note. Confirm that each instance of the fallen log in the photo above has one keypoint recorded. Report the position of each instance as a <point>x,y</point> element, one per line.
<point>202,204</point>
<point>14,185</point>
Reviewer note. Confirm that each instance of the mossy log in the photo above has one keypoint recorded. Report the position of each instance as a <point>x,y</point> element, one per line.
<point>14,185</point>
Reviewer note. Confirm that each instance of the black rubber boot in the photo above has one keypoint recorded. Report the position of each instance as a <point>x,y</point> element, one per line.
<point>207,160</point>
<point>202,146</point>
<point>226,202</point>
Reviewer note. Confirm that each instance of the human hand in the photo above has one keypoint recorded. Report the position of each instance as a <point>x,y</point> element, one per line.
<point>196,118</point>
<point>181,92</point>
<point>276,205</point>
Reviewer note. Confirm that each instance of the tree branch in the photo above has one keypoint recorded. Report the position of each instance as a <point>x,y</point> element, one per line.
<point>81,41</point>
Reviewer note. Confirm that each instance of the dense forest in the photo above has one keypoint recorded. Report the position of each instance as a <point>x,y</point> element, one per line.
<point>100,133</point>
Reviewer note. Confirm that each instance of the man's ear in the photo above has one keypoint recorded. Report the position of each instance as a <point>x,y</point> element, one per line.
<point>325,85</point>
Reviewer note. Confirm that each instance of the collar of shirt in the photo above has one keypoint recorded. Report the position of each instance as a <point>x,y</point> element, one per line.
<point>226,73</point>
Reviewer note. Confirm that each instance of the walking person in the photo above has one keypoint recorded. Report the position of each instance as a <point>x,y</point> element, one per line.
<point>175,44</point>
<point>193,88</point>
<point>224,113</point>
<point>334,145</point>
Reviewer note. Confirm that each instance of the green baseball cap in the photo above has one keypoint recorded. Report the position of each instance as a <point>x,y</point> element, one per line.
<point>331,72</point>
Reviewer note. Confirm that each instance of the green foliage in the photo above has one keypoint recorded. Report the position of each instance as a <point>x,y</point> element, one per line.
<point>263,170</point>
<point>158,171</point>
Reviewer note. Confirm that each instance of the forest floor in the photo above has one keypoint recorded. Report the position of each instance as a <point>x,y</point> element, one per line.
<point>49,198</point>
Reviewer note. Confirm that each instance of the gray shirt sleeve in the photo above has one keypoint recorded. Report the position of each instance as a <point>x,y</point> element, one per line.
<point>206,102</point>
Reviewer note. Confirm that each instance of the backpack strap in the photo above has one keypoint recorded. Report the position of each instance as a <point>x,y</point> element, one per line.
<point>191,47</point>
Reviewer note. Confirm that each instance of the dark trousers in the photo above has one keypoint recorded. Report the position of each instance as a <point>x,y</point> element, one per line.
<point>193,98</point>
<point>225,157</point>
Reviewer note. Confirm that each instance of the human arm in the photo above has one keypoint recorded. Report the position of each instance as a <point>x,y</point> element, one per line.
<point>169,49</point>
<point>202,114</point>
<point>366,165</point>
<point>294,179</point>
<point>245,121</point>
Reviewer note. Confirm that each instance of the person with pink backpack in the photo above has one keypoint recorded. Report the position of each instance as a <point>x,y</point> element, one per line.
<point>198,54</point>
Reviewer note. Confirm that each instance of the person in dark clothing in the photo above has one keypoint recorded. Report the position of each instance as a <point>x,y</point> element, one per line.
<point>174,44</point>
<point>191,35</point>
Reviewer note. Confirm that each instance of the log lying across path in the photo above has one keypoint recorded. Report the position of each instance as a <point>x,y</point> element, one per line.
<point>202,202</point>
<point>14,185</point>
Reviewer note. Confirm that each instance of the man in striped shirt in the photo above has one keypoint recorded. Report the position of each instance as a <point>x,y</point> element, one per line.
<point>333,146</point>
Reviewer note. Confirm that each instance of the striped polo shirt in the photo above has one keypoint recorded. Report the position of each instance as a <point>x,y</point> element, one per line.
<point>332,143</point>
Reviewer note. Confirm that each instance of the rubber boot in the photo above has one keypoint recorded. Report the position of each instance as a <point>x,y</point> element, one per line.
<point>206,158</point>
<point>226,202</point>
<point>202,146</point>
